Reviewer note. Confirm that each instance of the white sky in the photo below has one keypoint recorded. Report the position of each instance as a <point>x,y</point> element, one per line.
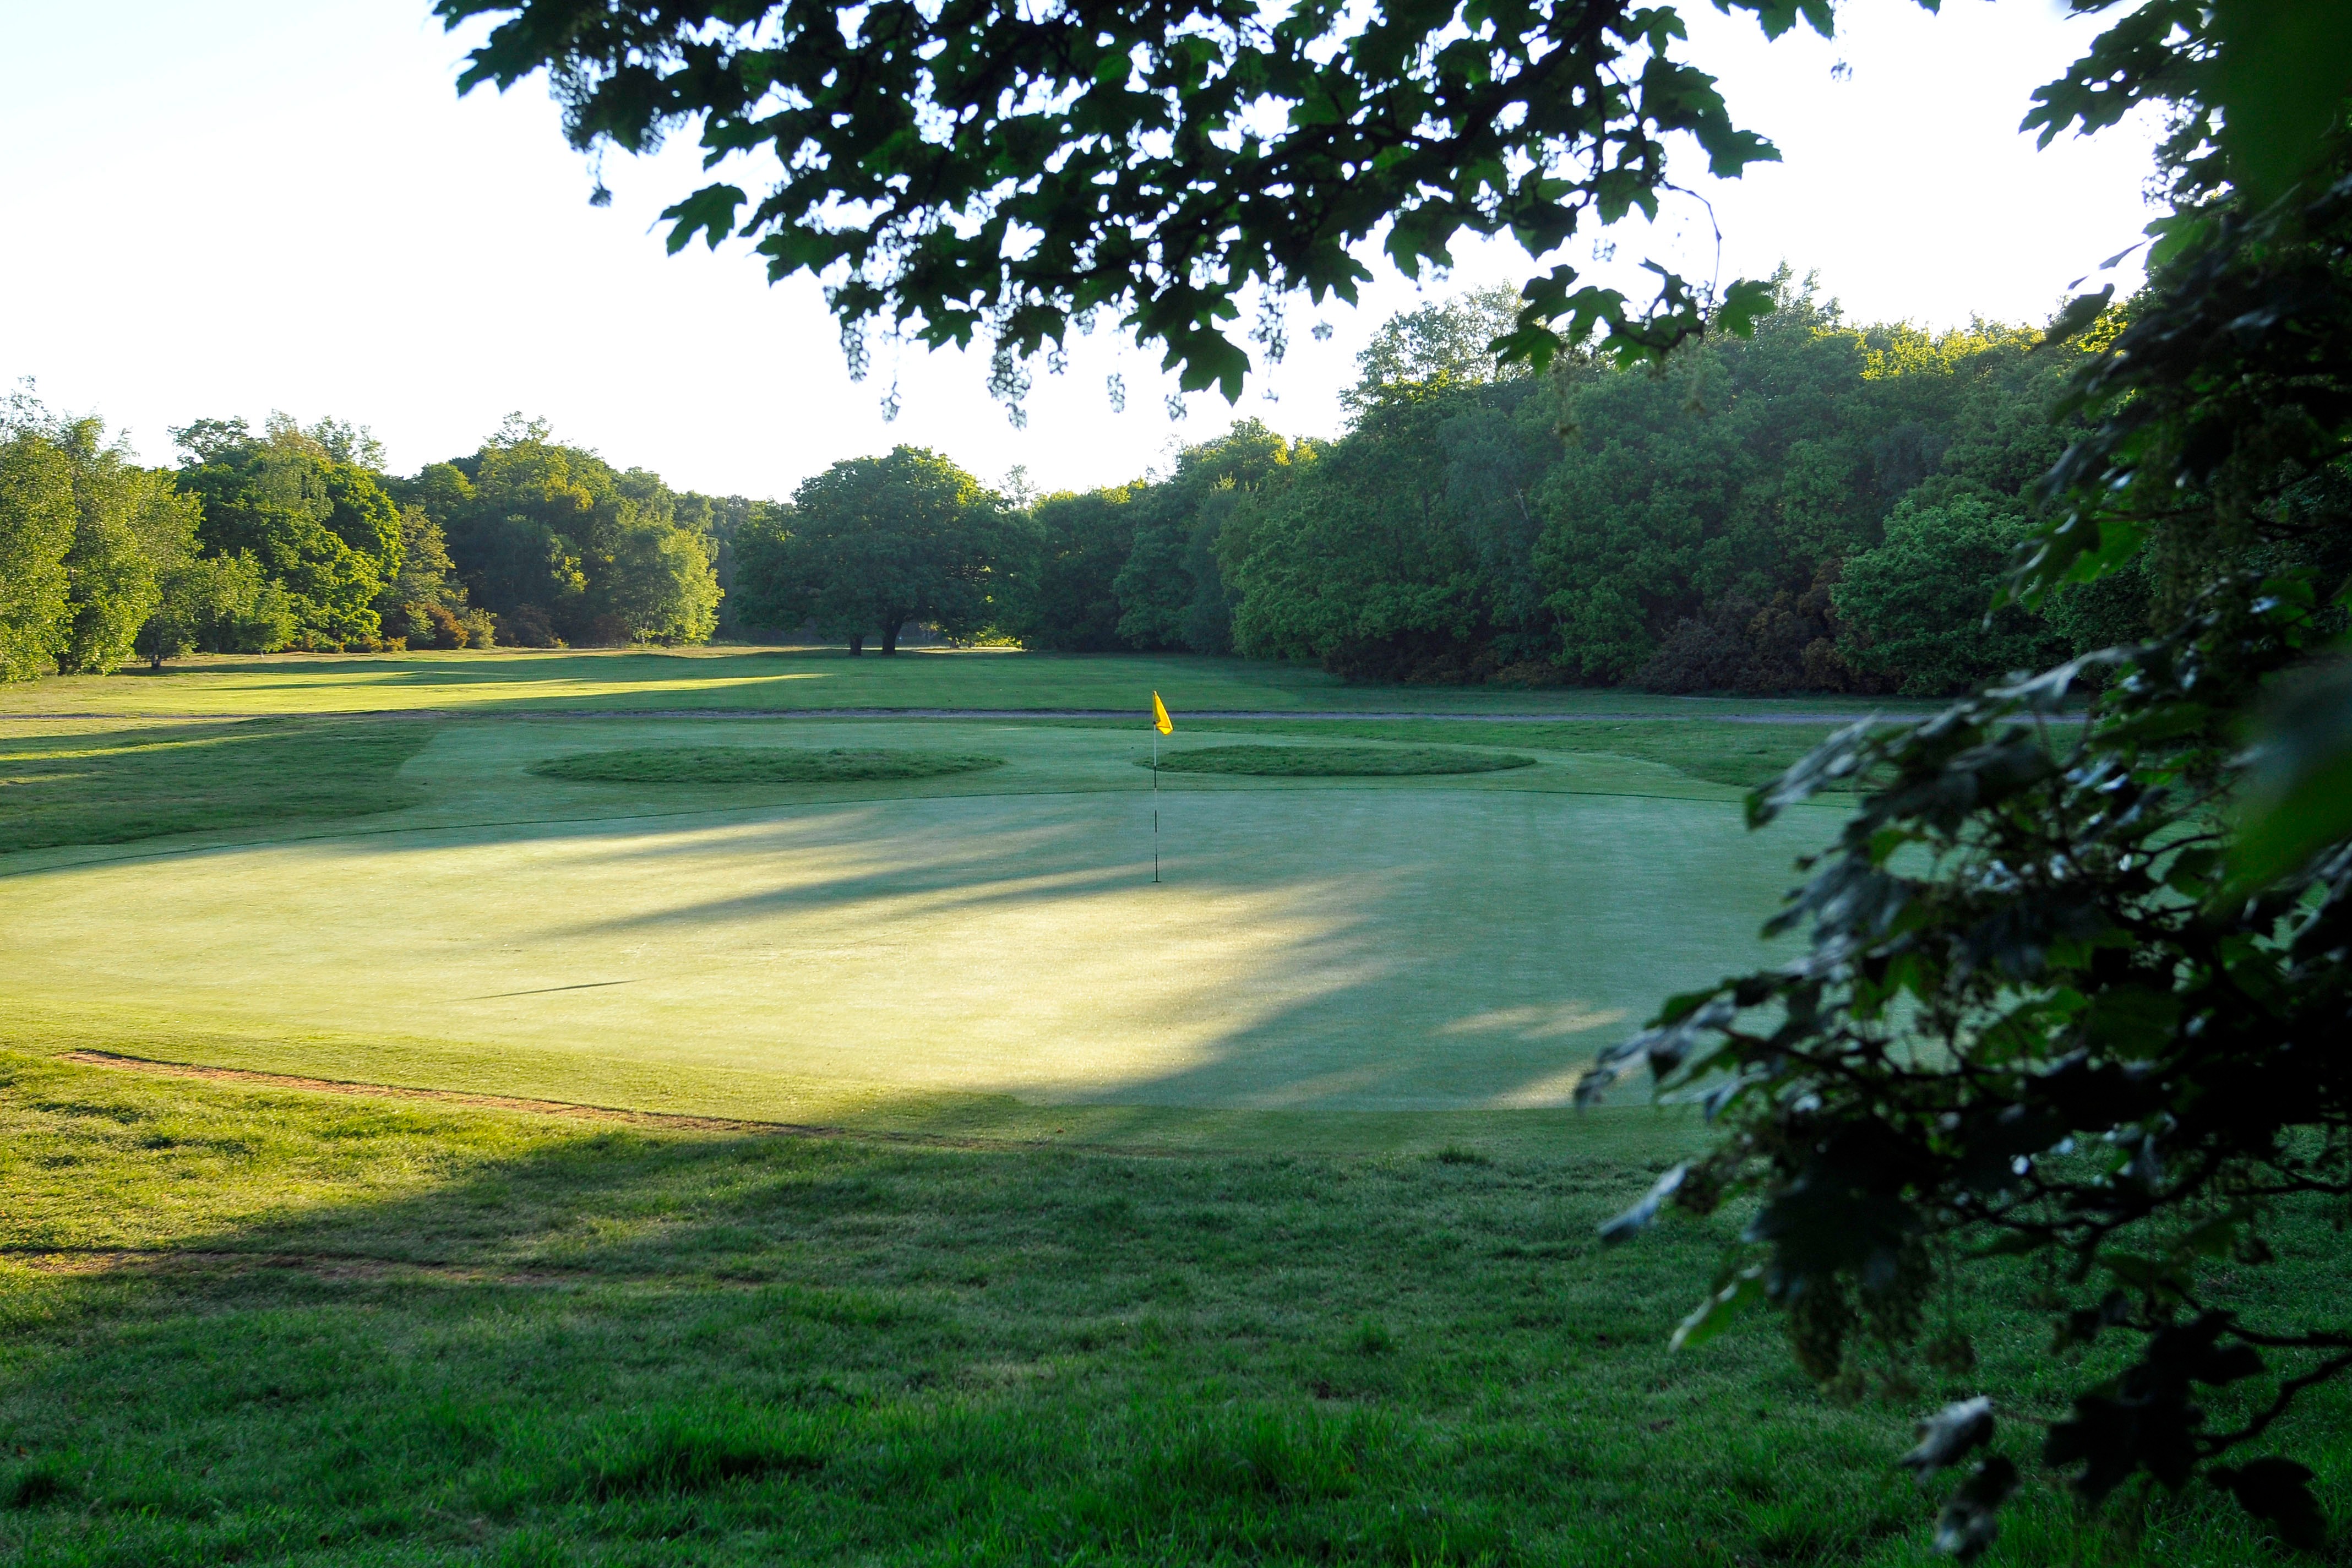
<point>225,208</point>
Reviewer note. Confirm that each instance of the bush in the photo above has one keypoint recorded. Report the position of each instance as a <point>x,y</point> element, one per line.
<point>528,625</point>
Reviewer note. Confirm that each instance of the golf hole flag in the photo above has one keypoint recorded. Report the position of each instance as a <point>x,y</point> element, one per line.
<point>1161,725</point>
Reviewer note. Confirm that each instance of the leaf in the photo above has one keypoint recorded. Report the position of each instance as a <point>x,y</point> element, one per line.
<point>1638,1217</point>
<point>2282,71</point>
<point>2299,787</point>
<point>2278,1493</point>
<point>1715,1314</point>
<point>1949,1436</point>
<point>710,211</point>
<point>1970,1522</point>
<point>1744,304</point>
<point>2078,314</point>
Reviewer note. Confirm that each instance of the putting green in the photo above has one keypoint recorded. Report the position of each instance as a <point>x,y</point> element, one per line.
<point>797,951</point>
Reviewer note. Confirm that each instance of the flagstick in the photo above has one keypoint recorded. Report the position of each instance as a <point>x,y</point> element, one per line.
<point>1155,803</point>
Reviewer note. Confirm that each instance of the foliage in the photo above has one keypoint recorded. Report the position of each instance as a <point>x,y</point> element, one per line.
<point>1681,529</point>
<point>423,603</point>
<point>129,526</point>
<point>2055,1005</point>
<point>564,548</point>
<point>36,529</point>
<point>1401,552</point>
<point>1066,552</point>
<point>1173,591</point>
<point>217,603</point>
<point>1915,605</point>
<point>321,527</point>
<point>1333,761</point>
<point>874,543</point>
<point>966,170</point>
<point>758,764</point>
<point>1443,343</point>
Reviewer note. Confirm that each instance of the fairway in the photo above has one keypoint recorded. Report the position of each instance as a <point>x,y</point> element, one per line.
<point>809,679</point>
<point>1455,943</point>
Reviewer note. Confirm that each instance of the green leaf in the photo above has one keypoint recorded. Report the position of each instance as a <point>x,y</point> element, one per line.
<point>2080,313</point>
<point>1744,304</point>
<point>710,211</point>
<point>1712,1315</point>
<point>2283,72</point>
<point>2299,793</point>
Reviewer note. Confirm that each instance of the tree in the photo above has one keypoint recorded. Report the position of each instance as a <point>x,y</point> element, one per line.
<point>566,548</point>
<point>1171,591</point>
<point>1064,555</point>
<point>1443,343</point>
<point>321,527</point>
<point>131,524</point>
<point>36,529</point>
<point>2079,995</point>
<point>1915,605</point>
<point>1401,552</point>
<point>973,170</point>
<point>423,603</point>
<point>217,603</point>
<point>660,585</point>
<point>874,543</point>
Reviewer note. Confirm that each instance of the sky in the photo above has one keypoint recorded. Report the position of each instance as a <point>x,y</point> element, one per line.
<point>251,206</point>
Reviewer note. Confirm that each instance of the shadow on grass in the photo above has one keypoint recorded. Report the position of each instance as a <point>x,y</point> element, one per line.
<point>821,1350</point>
<point>409,1336</point>
<point>122,784</point>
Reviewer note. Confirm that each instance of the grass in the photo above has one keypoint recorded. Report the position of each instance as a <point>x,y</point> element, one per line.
<point>245,1325</point>
<point>736,678</point>
<point>1336,762</point>
<point>1743,755</point>
<point>982,951</point>
<point>758,764</point>
<point>1233,1219</point>
<point>91,784</point>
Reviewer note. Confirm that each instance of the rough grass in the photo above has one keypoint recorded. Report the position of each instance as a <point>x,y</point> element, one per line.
<point>1336,762</point>
<point>268,1326</point>
<point>758,764</point>
<point>88,785</point>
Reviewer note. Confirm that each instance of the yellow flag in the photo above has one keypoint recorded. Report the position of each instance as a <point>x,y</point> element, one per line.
<point>1160,720</point>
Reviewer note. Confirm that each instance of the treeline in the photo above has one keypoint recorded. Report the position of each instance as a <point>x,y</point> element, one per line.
<point>295,537</point>
<point>1821,507</point>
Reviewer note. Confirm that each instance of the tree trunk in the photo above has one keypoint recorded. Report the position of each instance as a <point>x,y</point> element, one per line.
<point>856,643</point>
<point>890,634</point>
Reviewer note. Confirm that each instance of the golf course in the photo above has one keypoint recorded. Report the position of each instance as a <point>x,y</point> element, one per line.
<point>571,1108</point>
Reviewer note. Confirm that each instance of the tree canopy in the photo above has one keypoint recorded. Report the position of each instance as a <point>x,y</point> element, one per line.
<point>874,543</point>
<point>976,171</point>
<point>564,547</point>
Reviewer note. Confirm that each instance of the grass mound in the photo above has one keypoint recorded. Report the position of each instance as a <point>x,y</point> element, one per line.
<point>1337,761</point>
<point>757,764</point>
